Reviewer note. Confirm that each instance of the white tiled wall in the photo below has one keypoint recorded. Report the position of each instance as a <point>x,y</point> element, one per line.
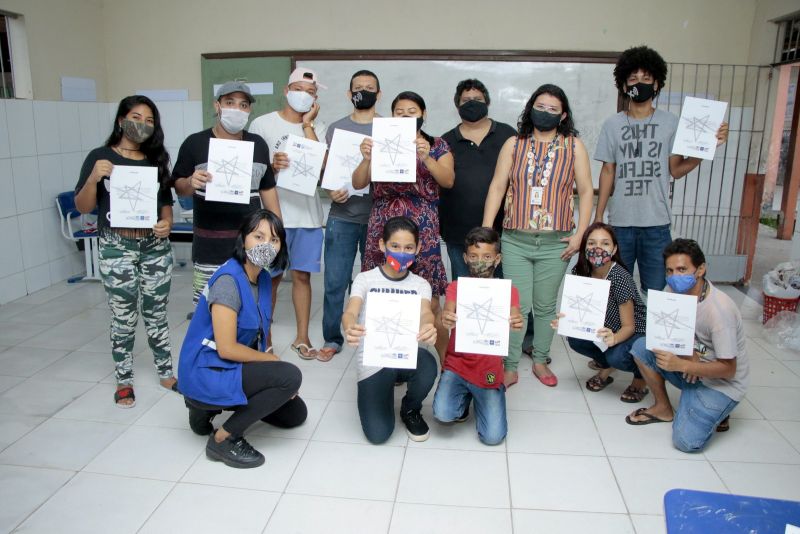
<point>42,147</point>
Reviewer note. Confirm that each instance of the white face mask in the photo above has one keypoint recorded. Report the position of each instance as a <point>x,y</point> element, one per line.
<point>300,101</point>
<point>233,120</point>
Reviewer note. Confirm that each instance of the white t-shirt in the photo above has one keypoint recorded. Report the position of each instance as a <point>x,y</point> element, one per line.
<point>298,210</point>
<point>374,281</point>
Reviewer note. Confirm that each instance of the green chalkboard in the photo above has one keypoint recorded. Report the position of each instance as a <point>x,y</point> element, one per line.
<point>246,69</point>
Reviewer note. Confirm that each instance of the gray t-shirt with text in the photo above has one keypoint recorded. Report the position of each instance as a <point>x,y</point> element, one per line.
<point>355,209</point>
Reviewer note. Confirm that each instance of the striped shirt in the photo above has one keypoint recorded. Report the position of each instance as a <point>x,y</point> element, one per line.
<point>556,210</point>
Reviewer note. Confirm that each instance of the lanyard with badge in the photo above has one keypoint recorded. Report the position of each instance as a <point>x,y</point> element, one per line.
<point>544,170</point>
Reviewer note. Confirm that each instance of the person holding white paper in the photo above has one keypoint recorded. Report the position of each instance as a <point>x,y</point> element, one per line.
<point>346,229</point>
<point>635,148</point>
<point>714,379</point>
<point>302,214</point>
<point>475,377</point>
<point>400,244</point>
<point>135,263</point>
<point>625,314</point>
<point>417,201</point>
<point>215,224</point>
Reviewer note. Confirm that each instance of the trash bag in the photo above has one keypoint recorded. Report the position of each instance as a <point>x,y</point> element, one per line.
<point>780,286</point>
<point>783,330</point>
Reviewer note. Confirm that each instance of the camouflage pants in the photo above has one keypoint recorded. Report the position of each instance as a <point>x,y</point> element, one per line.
<point>137,272</point>
<point>202,272</point>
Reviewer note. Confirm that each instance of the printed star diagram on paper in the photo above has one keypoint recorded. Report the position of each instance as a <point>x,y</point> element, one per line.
<point>228,168</point>
<point>133,194</point>
<point>391,326</point>
<point>669,320</point>
<point>699,126</point>
<point>481,313</point>
<point>302,168</point>
<point>581,304</point>
<point>393,147</point>
<point>350,161</point>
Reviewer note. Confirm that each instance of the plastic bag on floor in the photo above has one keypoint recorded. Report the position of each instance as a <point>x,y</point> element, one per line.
<point>783,330</point>
<point>775,287</point>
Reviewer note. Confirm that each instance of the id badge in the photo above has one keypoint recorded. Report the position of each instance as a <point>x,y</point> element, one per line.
<point>536,195</point>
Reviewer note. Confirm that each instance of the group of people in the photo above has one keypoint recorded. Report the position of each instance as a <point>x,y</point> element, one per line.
<point>500,198</point>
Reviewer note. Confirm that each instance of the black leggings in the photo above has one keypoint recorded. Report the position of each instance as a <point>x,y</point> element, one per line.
<point>269,388</point>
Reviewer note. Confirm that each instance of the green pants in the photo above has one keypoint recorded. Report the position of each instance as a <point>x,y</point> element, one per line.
<point>533,262</point>
<point>137,272</point>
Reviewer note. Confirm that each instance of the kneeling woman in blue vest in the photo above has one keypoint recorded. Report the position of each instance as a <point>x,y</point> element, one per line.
<point>224,360</point>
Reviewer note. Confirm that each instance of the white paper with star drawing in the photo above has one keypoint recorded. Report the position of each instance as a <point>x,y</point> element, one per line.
<point>230,163</point>
<point>394,149</point>
<point>583,303</point>
<point>670,322</point>
<point>305,165</point>
<point>343,158</point>
<point>483,306</point>
<point>392,324</point>
<point>134,196</point>
<point>697,128</point>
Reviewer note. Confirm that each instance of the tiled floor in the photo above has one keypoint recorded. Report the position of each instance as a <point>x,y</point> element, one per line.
<point>70,461</point>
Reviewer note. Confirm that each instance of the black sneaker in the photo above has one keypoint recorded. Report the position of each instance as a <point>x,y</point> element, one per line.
<point>464,416</point>
<point>234,452</point>
<point>416,426</point>
<point>200,420</point>
<point>189,316</point>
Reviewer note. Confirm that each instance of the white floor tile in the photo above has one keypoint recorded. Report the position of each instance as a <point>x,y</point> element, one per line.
<point>79,366</point>
<point>169,412</point>
<point>98,404</point>
<point>530,394</point>
<point>649,524</point>
<point>99,503</point>
<point>61,444</point>
<point>186,509</point>
<point>776,403</point>
<point>13,427</point>
<point>340,423</point>
<point>64,336</point>
<point>449,477</point>
<point>752,441</point>
<point>645,481</point>
<point>779,353</point>
<point>746,410</point>
<point>305,514</point>
<point>12,333</point>
<point>553,433</point>
<point>40,397</point>
<point>146,452</point>
<point>456,436</point>
<point>23,489</point>
<point>8,382</point>
<point>773,373</point>
<point>433,519</point>
<point>570,483</point>
<point>348,470</point>
<point>789,430</point>
<point>648,441</point>
<point>304,431</point>
<point>320,382</point>
<point>27,361</point>
<point>774,481</point>
<point>571,522</point>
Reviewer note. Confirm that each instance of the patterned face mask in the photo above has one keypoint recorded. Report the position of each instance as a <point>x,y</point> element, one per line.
<point>481,268</point>
<point>598,256</point>
<point>262,254</point>
<point>138,132</point>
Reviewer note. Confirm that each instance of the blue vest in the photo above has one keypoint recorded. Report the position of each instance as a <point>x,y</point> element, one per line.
<point>204,375</point>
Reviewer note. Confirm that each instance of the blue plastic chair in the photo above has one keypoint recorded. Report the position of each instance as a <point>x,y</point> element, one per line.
<point>65,202</point>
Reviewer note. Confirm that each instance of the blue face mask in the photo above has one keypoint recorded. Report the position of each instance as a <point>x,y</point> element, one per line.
<point>681,283</point>
<point>399,261</point>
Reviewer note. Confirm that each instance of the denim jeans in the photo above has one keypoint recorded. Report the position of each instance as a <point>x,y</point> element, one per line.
<point>458,267</point>
<point>342,240</point>
<point>700,409</point>
<point>644,245</point>
<point>452,398</point>
<point>376,395</point>
<point>618,356</point>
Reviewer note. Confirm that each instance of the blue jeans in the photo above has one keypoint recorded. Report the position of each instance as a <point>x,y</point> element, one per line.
<point>458,267</point>
<point>376,395</point>
<point>644,245</point>
<point>618,356</point>
<point>700,410</point>
<point>342,240</point>
<point>452,399</point>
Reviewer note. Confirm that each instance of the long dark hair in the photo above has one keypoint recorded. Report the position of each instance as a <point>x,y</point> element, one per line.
<point>584,268</point>
<point>153,147</point>
<point>418,100</point>
<point>249,225</point>
<point>565,127</point>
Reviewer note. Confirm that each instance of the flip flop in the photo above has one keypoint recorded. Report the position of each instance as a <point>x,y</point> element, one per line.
<point>325,354</point>
<point>633,395</point>
<point>724,425</point>
<point>310,353</point>
<point>596,383</point>
<point>650,418</point>
<point>125,393</point>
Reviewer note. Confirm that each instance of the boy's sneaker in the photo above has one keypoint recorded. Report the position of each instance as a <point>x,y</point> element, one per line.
<point>234,452</point>
<point>416,426</point>
<point>464,416</point>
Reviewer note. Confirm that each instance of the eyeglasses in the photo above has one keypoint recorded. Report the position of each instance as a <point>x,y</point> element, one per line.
<point>548,109</point>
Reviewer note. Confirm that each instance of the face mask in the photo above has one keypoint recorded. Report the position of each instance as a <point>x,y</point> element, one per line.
<point>420,120</point>
<point>262,254</point>
<point>473,110</point>
<point>364,99</point>
<point>399,261</point>
<point>641,92</point>
<point>481,268</point>
<point>300,101</point>
<point>598,256</point>
<point>681,283</point>
<point>233,120</point>
<point>544,121</point>
<point>138,132</point>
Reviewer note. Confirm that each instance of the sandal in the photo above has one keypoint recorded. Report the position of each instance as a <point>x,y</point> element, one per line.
<point>173,387</point>
<point>724,425</point>
<point>325,354</point>
<point>594,366</point>
<point>633,395</point>
<point>125,392</point>
<point>309,354</point>
<point>596,383</point>
<point>649,418</point>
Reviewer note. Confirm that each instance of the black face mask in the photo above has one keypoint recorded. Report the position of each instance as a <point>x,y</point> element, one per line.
<point>544,121</point>
<point>364,99</point>
<point>420,120</point>
<point>473,110</point>
<point>641,92</point>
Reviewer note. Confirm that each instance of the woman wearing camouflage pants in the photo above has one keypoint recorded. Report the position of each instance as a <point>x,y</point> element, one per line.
<point>135,263</point>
